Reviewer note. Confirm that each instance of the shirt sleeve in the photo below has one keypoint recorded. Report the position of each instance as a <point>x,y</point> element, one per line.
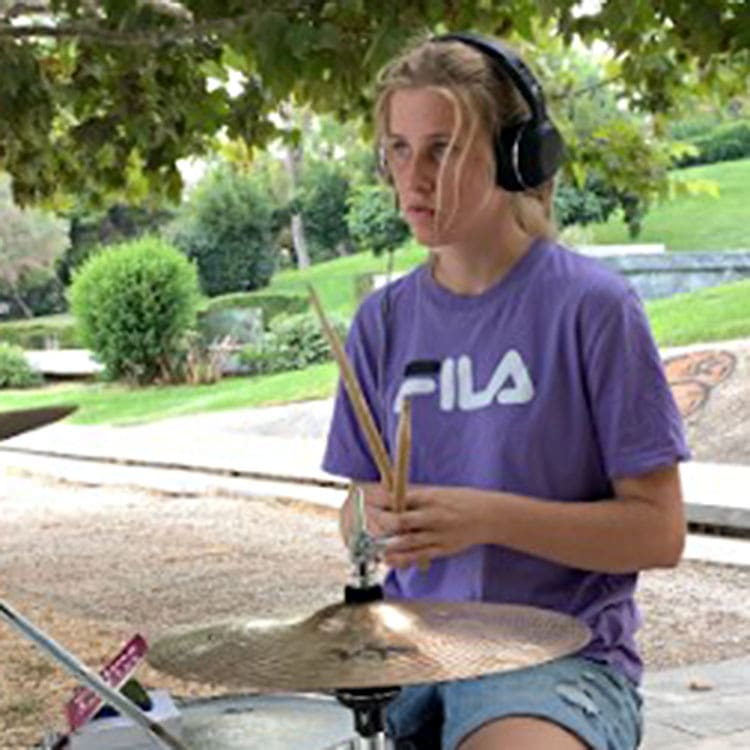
<point>347,453</point>
<point>638,424</point>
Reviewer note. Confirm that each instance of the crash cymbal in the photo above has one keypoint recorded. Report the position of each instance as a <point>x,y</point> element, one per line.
<point>22,420</point>
<point>370,645</point>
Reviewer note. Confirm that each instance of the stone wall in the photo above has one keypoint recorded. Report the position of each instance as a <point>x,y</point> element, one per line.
<point>665,274</point>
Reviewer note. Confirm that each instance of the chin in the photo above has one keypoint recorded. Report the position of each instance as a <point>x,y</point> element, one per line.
<point>429,237</point>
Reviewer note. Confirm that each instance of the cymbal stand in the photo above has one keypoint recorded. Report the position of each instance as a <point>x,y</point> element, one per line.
<point>364,549</point>
<point>369,707</point>
<point>368,704</point>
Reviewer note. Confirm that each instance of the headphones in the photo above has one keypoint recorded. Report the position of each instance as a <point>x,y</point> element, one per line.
<point>529,151</point>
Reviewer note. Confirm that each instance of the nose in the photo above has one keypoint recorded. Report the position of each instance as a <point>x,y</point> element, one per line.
<point>419,174</point>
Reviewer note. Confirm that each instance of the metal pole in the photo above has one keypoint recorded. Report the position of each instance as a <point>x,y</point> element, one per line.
<point>376,742</point>
<point>87,677</point>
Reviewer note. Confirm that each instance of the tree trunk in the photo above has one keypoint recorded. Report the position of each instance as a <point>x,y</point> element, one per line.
<point>25,309</point>
<point>293,157</point>
<point>300,242</point>
<point>343,248</point>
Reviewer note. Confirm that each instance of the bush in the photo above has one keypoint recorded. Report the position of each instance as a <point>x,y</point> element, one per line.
<point>725,142</point>
<point>292,343</point>
<point>591,204</point>
<point>15,371</point>
<point>60,331</point>
<point>374,223</point>
<point>271,303</point>
<point>134,304</point>
<point>226,229</point>
<point>322,201</point>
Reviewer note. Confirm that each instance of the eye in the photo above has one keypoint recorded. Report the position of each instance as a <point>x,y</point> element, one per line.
<point>440,150</point>
<point>398,151</point>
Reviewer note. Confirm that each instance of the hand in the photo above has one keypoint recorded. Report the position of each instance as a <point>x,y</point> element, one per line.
<point>438,521</point>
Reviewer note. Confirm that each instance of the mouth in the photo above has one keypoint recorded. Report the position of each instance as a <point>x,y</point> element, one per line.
<point>420,212</point>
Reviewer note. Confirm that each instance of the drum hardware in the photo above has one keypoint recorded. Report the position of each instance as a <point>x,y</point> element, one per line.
<point>369,708</point>
<point>89,678</point>
<point>364,549</point>
<point>22,420</point>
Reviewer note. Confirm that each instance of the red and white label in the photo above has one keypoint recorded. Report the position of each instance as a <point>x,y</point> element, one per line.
<point>85,702</point>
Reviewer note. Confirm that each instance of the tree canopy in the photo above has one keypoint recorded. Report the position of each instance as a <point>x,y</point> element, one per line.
<point>101,98</point>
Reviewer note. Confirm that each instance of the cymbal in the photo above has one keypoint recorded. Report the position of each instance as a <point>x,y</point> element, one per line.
<point>22,420</point>
<point>370,645</point>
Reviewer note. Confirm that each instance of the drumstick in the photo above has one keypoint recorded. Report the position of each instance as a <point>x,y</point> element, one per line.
<point>401,472</point>
<point>403,453</point>
<point>359,404</point>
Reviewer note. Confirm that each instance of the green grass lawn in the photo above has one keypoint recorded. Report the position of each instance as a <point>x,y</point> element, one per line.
<point>715,314</point>
<point>103,403</point>
<point>334,280</point>
<point>696,222</point>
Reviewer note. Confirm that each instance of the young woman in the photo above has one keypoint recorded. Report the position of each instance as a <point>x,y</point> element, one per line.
<point>545,437</point>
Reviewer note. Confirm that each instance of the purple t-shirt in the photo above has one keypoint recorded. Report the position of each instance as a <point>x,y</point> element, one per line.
<point>549,385</point>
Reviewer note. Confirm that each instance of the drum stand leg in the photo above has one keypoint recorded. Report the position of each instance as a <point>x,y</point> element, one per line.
<point>369,707</point>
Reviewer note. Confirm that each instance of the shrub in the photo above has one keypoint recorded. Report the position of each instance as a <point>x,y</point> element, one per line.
<point>292,343</point>
<point>591,204</point>
<point>15,371</point>
<point>202,363</point>
<point>59,331</point>
<point>322,201</point>
<point>226,228</point>
<point>374,223</point>
<point>725,142</point>
<point>134,304</point>
<point>271,303</point>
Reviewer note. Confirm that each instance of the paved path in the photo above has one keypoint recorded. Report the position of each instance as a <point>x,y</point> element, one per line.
<point>699,708</point>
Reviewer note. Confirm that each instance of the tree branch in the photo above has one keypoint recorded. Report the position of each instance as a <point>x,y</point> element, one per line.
<point>584,89</point>
<point>169,8</point>
<point>124,38</point>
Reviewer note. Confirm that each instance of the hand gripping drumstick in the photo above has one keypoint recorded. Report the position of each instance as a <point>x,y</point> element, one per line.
<point>359,404</point>
<point>89,678</point>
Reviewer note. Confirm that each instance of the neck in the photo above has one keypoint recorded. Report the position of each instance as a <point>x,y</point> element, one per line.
<point>474,266</point>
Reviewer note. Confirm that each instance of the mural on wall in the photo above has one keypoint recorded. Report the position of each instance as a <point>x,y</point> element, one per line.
<point>694,375</point>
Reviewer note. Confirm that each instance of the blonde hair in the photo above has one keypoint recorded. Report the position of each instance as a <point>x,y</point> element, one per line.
<point>481,95</point>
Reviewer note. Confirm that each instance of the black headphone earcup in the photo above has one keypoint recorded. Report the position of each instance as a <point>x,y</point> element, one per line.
<point>528,154</point>
<point>505,152</point>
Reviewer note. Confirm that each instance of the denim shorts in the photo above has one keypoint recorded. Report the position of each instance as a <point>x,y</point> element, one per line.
<point>593,701</point>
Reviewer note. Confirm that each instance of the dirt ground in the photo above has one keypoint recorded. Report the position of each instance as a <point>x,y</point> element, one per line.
<point>91,567</point>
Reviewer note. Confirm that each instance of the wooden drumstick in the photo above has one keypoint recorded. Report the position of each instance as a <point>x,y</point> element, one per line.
<point>403,454</point>
<point>401,472</point>
<point>359,404</point>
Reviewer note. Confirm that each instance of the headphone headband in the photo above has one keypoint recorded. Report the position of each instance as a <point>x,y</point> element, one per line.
<point>510,63</point>
<point>529,150</point>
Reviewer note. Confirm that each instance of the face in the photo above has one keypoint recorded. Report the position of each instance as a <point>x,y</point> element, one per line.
<point>443,178</point>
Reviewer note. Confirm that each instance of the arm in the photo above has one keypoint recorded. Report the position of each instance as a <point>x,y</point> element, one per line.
<point>642,527</point>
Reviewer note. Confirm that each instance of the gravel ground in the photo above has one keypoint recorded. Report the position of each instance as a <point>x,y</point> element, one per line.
<point>92,566</point>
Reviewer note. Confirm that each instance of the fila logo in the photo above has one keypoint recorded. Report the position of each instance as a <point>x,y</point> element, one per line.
<point>510,384</point>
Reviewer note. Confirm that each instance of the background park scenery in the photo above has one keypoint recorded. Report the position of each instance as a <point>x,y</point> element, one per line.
<point>167,211</point>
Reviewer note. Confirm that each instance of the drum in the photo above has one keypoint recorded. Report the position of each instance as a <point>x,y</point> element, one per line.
<point>268,722</point>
